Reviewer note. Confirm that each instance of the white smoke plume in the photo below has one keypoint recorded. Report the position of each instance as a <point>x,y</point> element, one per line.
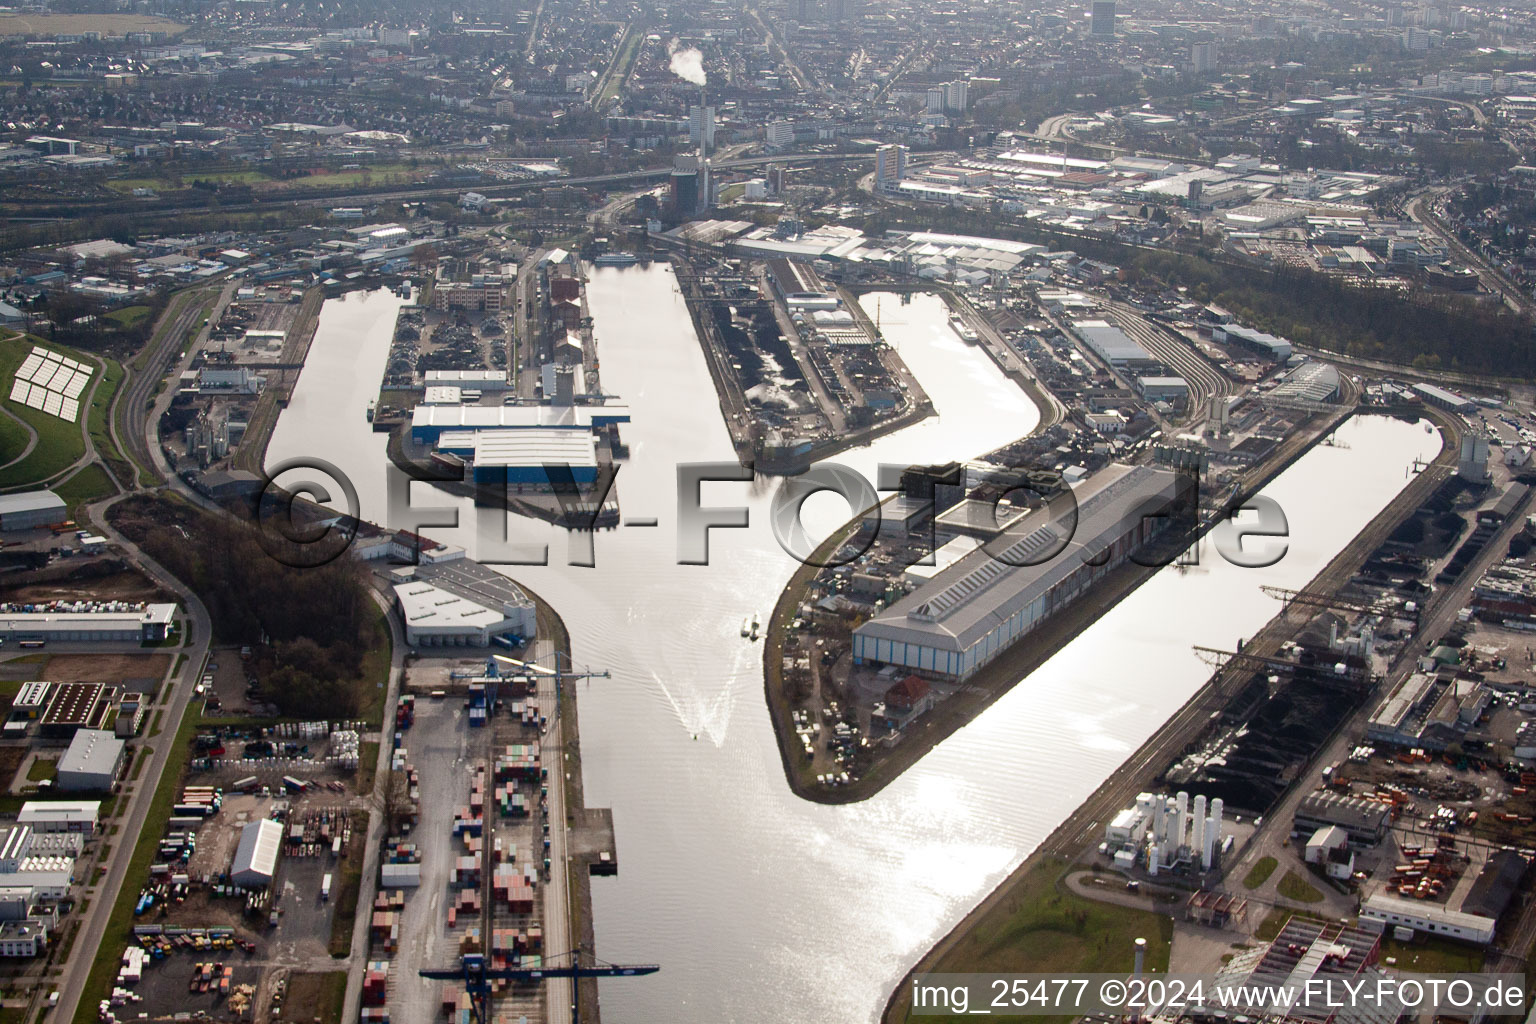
<point>687,64</point>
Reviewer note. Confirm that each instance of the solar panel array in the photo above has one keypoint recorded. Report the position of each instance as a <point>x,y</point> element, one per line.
<point>51,383</point>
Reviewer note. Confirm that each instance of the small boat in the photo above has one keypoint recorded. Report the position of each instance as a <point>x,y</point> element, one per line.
<point>960,327</point>
<point>746,626</point>
<point>373,405</point>
<point>756,625</point>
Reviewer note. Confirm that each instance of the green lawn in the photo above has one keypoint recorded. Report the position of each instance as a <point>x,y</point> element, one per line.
<point>621,68</point>
<point>1040,927</point>
<point>58,443</point>
<point>120,924</point>
<point>129,316</point>
<point>42,768</point>
<point>101,408</point>
<point>159,184</point>
<point>324,994</point>
<point>1295,887</point>
<point>90,483</point>
<point>1433,955</point>
<point>1260,872</point>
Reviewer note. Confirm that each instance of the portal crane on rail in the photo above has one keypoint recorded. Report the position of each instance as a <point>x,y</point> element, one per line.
<point>1323,601</point>
<point>477,977</point>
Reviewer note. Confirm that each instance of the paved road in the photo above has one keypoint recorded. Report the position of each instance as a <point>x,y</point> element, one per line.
<point>93,922</point>
<point>376,823</point>
<point>31,438</point>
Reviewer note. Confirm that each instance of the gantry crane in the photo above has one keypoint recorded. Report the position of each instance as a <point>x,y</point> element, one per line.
<point>557,672</point>
<point>1219,660</point>
<point>472,967</point>
<point>477,977</point>
<point>1314,600</point>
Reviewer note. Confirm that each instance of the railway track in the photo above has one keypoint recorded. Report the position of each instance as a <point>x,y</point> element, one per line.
<point>1204,379</point>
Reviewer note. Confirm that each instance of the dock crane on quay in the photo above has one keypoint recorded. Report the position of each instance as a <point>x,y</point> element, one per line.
<point>477,977</point>
<point>1324,601</point>
<point>1221,660</point>
<point>559,674</point>
<point>473,969</point>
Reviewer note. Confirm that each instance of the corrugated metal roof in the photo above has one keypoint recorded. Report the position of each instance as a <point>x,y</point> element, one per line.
<point>30,501</point>
<point>260,843</point>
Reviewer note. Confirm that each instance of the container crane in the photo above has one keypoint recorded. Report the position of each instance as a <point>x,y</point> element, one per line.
<point>1289,597</point>
<point>559,674</point>
<point>477,977</point>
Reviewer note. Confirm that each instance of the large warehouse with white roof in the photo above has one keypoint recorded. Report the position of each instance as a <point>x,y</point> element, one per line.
<point>1111,344</point>
<point>461,604</point>
<point>981,605</point>
<point>255,864</point>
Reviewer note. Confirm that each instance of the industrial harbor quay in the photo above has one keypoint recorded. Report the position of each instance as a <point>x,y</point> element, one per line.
<point>547,512</point>
<point>703,691</point>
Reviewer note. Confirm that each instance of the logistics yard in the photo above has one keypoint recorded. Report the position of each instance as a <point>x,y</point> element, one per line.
<point>472,842</point>
<point>254,874</point>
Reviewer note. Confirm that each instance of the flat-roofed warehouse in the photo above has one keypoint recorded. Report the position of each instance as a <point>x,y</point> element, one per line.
<point>525,457</point>
<point>255,864</point>
<point>76,706</point>
<point>1365,821</point>
<point>29,510</point>
<point>1443,398</point>
<point>980,606</point>
<point>461,604</point>
<point>92,762</point>
<point>1111,344</point>
<point>129,623</point>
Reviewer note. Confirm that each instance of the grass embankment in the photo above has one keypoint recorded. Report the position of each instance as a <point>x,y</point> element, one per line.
<point>348,886</point>
<point>1260,872</point>
<point>1039,926</point>
<point>373,680</point>
<point>88,484</point>
<point>120,923</point>
<point>263,182</point>
<point>101,408</point>
<point>59,443</point>
<point>13,439</point>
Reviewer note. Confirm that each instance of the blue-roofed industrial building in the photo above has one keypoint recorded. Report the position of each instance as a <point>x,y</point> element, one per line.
<point>430,422</point>
<point>526,457</point>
